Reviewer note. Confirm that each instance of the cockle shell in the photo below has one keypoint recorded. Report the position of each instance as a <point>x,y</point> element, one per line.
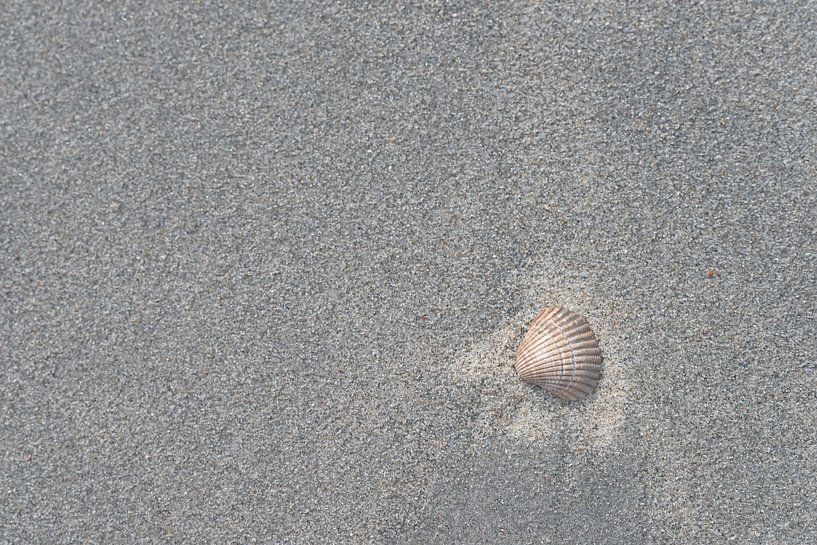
<point>560,353</point>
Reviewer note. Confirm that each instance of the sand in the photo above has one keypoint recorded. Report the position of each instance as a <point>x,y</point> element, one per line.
<point>263,270</point>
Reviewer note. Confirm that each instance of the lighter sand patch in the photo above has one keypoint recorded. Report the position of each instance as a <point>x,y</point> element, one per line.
<point>528,413</point>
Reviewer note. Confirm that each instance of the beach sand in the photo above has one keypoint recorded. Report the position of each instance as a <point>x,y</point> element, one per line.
<point>264,269</point>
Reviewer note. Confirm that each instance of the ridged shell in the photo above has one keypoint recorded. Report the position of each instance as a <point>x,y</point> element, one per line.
<point>560,353</point>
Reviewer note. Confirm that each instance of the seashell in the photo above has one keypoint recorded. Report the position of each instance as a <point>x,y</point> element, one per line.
<point>560,353</point>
